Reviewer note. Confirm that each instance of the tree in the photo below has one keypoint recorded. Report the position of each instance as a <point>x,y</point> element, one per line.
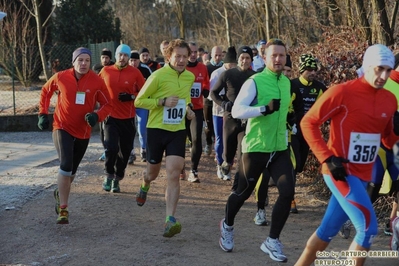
<point>81,22</point>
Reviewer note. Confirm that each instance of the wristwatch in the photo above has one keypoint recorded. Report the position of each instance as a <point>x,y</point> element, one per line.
<point>263,109</point>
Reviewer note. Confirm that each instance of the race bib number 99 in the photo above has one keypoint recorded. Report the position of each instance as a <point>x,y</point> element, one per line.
<point>363,147</point>
<point>196,90</point>
<point>174,115</point>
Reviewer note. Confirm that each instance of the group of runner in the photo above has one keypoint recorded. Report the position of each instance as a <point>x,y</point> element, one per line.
<point>258,115</point>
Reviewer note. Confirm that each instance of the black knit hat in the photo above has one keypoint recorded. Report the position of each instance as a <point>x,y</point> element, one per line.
<point>288,63</point>
<point>144,50</point>
<point>245,49</point>
<point>134,55</point>
<point>106,52</point>
<point>231,55</point>
<point>307,61</point>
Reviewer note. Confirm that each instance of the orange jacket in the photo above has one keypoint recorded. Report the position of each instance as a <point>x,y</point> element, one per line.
<point>69,115</point>
<point>201,83</point>
<point>129,80</point>
<point>354,107</point>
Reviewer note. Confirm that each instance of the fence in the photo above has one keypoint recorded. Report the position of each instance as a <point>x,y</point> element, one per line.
<point>22,76</point>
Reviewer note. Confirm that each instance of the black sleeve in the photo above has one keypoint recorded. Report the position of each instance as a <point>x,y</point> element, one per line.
<point>217,88</point>
<point>297,104</point>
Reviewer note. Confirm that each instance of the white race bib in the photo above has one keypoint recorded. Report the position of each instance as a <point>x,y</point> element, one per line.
<point>363,147</point>
<point>80,97</point>
<point>174,115</point>
<point>196,90</point>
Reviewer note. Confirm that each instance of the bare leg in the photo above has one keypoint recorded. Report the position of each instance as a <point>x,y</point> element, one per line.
<point>151,173</point>
<point>313,245</point>
<point>64,187</point>
<point>359,260</point>
<point>174,164</point>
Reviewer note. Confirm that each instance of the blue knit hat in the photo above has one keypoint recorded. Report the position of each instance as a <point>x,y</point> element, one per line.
<point>79,51</point>
<point>122,49</point>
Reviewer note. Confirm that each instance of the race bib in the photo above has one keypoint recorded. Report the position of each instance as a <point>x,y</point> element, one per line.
<point>174,115</point>
<point>363,147</point>
<point>196,90</point>
<point>80,97</point>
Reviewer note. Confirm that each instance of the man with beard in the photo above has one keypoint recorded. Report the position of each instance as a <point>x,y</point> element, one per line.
<point>123,82</point>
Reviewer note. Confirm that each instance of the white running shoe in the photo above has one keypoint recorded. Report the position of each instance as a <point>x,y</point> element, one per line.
<point>227,177</point>
<point>219,172</point>
<point>395,234</point>
<point>260,218</point>
<point>226,240</point>
<point>193,177</point>
<point>274,248</point>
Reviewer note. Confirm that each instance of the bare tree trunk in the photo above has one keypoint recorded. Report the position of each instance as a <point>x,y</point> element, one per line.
<point>180,18</point>
<point>363,20</point>
<point>267,13</point>
<point>349,14</point>
<point>226,19</point>
<point>335,12</point>
<point>382,27</point>
<point>278,17</point>
<point>394,14</point>
<point>40,37</point>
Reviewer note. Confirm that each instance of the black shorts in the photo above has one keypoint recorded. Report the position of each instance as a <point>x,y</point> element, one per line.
<point>160,141</point>
<point>70,151</point>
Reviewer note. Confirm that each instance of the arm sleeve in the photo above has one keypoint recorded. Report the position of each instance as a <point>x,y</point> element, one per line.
<point>220,84</point>
<point>242,105</point>
<point>143,99</point>
<point>104,100</point>
<point>47,92</point>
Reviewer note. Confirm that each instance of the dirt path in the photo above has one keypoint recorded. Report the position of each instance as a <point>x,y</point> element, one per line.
<point>110,229</point>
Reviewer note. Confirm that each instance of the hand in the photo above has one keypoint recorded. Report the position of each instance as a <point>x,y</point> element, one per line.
<point>336,167</point>
<point>205,93</point>
<point>291,118</point>
<point>171,101</point>
<point>395,150</point>
<point>43,123</point>
<point>91,119</point>
<point>396,123</point>
<point>227,106</point>
<point>126,97</point>
<point>274,105</point>
<point>189,113</point>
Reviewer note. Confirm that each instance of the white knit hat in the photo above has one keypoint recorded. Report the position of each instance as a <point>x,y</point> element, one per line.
<point>378,55</point>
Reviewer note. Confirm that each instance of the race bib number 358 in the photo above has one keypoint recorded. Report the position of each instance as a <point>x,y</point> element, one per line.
<point>363,147</point>
<point>174,115</point>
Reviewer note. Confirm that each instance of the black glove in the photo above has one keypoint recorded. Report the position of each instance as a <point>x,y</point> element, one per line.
<point>336,167</point>
<point>396,123</point>
<point>205,93</point>
<point>43,123</point>
<point>91,119</point>
<point>274,105</point>
<point>126,97</point>
<point>227,106</point>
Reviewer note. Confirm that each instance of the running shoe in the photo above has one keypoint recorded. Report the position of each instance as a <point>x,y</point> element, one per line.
<point>115,186</point>
<point>387,229</point>
<point>208,149</point>
<point>172,228</point>
<point>260,218</point>
<point>345,230</point>
<point>219,172</point>
<point>141,197</point>
<point>193,177</point>
<point>102,157</point>
<point>225,168</point>
<point>107,184</point>
<point>57,201</point>
<point>132,158</point>
<point>274,248</point>
<point>226,240</point>
<point>227,177</point>
<point>395,234</point>
<point>63,216</point>
<point>293,207</point>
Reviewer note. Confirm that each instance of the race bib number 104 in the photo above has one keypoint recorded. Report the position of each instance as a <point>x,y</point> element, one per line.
<point>174,115</point>
<point>363,147</point>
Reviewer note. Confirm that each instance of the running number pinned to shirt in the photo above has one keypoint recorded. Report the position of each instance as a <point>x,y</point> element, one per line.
<point>80,97</point>
<point>363,147</point>
<point>174,115</point>
<point>196,90</point>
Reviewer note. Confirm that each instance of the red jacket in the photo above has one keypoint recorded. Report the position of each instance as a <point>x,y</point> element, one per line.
<point>201,83</point>
<point>129,80</point>
<point>69,115</point>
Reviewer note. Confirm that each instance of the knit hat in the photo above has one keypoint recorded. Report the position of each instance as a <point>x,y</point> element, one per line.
<point>231,55</point>
<point>245,49</point>
<point>79,51</point>
<point>307,61</point>
<point>288,62</point>
<point>106,52</point>
<point>144,50</point>
<point>134,55</point>
<point>122,49</point>
<point>261,42</point>
<point>378,55</point>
